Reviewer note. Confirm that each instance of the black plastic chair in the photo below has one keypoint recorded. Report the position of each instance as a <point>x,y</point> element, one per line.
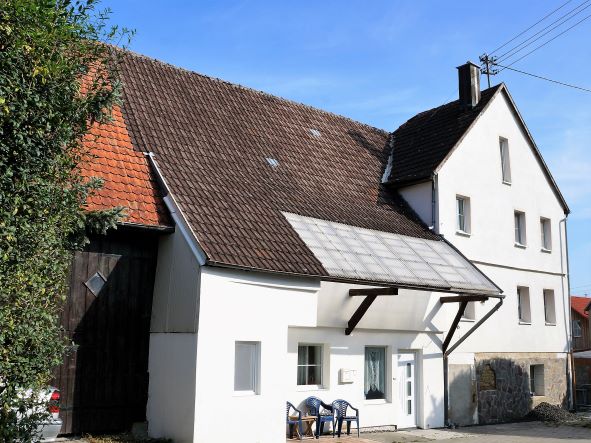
<point>339,408</point>
<point>292,422</point>
<point>314,405</point>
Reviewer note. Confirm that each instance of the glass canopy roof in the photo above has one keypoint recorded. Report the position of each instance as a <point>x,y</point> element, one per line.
<point>356,253</point>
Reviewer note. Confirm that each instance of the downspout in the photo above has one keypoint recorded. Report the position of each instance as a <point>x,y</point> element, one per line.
<point>470,331</point>
<point>570,367</point>
<point>434,225</point>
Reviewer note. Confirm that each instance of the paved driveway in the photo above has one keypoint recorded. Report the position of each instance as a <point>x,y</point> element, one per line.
<point>529,432</point>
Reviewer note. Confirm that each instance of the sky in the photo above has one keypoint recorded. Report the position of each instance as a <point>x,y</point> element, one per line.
<point>381,62</point>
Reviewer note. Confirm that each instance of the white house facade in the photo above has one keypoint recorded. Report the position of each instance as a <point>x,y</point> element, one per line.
<point>316,256</point>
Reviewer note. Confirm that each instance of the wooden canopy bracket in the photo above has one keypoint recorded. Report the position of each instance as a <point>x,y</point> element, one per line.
<point>370,295</point>
<point>461,298</point>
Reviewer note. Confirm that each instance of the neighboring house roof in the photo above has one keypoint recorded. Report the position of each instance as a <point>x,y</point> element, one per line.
<point>236,159</point>
<point>580,305</point>
<point>422,144</point>
<point>128,179</point>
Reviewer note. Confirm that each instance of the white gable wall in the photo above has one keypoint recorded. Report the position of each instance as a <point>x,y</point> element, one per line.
<point>474,170</point>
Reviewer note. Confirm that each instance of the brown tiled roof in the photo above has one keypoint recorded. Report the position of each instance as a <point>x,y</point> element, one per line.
<point>128,180</point>
<point>211,140</point>
<point>421,144</point>
<point>580,304</point>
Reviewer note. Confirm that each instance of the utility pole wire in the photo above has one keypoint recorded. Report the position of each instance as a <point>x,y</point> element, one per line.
<point>545,78</point>
<point>511,51</point>
<point>548,41</point>
<point>536,23</point>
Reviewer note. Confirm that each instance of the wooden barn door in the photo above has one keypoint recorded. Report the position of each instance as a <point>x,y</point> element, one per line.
<point>104,379</point>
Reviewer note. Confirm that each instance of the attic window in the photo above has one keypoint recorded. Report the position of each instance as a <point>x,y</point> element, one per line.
<point>315,132</point>
<point>272,162</point>
<point>95,283</point>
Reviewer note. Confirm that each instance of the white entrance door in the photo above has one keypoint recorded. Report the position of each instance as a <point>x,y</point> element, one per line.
<point>407,390</point>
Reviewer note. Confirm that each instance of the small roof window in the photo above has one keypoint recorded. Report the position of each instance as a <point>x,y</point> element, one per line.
<point>272,162</point>
<point>315,132</point>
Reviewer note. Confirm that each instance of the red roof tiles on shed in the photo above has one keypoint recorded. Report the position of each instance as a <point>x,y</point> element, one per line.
<point>579,304</point>
<point>128,180</point>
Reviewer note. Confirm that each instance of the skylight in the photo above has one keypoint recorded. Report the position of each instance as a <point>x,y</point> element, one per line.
<point>272,162</point>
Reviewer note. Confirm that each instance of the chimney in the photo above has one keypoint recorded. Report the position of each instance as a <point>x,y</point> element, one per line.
<point>469,77</point>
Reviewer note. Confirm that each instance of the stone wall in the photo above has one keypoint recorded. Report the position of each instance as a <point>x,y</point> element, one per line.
<point>503,384</point>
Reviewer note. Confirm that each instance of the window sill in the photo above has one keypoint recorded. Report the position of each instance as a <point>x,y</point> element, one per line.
<point>245,394</point>
<point>307,388</point>
<point>505,182</point>
<point>550,324</point>
<point>547,251</point>
<point>528,323</point>
<point>469,320</point>
<point>520,245</point>
<point>379,401</point>
<point>462,233</point>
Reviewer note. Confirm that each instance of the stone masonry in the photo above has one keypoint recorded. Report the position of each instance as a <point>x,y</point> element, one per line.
<point>503,384</point>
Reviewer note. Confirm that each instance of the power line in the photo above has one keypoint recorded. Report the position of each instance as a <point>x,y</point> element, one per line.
<point>511,52</point>
<point>544,78</point>
<point>582,286</point>
<point>536,23</point>
<point>548,41</point>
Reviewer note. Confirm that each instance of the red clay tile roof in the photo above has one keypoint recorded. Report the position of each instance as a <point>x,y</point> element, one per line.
<point>579,304</point>
<point>212,139</point>
<point>421,144</point>
<point>128,180</point>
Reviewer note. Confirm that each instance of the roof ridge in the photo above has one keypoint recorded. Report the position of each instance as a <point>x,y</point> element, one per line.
<point>256,91</point>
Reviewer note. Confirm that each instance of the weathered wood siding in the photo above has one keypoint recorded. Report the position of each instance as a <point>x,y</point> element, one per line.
<point>583,342</point>
<point>104,381</point>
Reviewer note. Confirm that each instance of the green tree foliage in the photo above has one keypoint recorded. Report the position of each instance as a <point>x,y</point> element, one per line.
<point>57,77</point>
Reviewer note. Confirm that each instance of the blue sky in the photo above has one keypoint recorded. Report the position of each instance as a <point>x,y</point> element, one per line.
<point>380,62</point>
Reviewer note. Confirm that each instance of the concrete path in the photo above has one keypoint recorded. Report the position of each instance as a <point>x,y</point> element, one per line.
<point>529,432</point>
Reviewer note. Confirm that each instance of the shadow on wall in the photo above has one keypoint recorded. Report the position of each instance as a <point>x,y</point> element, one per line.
<point>503,391</point>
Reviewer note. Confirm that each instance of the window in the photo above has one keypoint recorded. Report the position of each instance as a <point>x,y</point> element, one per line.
<point>549,307</point>
<point>523,305</point>
<point>463,214</point>
<point>520,238</point>
<point>577,329</point>
<point>536,379</point>
<point>246,367</point>
<point>309,365</point>
<point>505,164</point>
<point>546,234</point>
<point>375,372</point>
<point>470,311</point>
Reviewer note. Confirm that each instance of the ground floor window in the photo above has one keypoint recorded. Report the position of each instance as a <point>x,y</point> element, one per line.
<point>246,367</point>
<point>375,372</point>
<point>309,365</point>
<point>536,376</point>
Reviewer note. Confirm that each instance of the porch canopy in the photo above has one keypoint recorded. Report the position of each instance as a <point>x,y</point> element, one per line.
<point>365,255</point>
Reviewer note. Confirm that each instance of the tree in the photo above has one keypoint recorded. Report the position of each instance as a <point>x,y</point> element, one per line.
<point>58,76</point>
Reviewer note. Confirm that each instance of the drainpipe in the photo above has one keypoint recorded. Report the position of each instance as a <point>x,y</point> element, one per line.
<point>570,367</point>
<point>434,224</point>
<point>470,331</point>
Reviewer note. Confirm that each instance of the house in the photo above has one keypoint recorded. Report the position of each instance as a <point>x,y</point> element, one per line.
<point>420,274</point>
<point>581,347</point>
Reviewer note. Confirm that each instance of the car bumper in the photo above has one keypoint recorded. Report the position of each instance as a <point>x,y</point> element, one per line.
<point>50,430</point>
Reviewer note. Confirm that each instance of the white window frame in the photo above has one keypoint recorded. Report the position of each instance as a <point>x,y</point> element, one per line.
<point>463,221</point>
<point>505,160</point>
<point>537,382</point>
<point>523,305</point>
<point>520,229</point>
<point>578,330</point>
<point>549,307</point>
<point>386,375</point>
<point>322,367</point>
<point>546,234</point>
<point>255,348</point>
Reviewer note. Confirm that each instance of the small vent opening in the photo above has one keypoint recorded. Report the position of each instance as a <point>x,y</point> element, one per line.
<point>315,132</point>
<point>95,283</point>
<point>272,162</point>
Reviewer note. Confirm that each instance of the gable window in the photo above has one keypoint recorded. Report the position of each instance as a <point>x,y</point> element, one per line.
<point>577,329</point>
<point>520,237</point>
<point>462,214</point>
<point>536,379</point>
<point>246,367</point>
<point>505,164</point>
<point>523,305</point>
<point>549,307</point>
<point>375,372</point>
<point>546,232</point>
<point>309,365</point>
